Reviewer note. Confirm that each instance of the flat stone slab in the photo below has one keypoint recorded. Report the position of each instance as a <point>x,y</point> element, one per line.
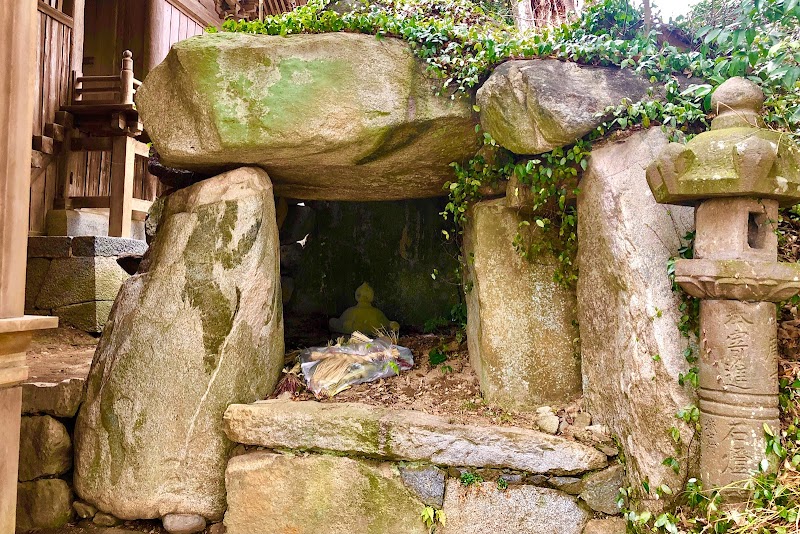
<point>483,508</point>
<point>107,246</point>
<point>276,493</point>
<point>377,432</point>
<point>60,399</point>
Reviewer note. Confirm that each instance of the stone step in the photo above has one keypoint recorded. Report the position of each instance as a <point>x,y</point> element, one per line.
<point>385,433</point>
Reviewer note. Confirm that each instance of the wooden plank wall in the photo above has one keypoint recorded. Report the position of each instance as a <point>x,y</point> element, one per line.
<point>52,89</point>
<point>111,28</point>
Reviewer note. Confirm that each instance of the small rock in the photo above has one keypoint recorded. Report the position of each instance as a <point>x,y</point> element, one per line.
<point>84,509</point>
<point>102,519</point>
<point>571,485</point>
<point>582,420</point>
<point>549,424</point>
<point>544,410</point>
<point>48,450</point>
<point>600,489</point>
<point>535,480</point>
<point>427,483</point>
<point>615,525</point>
<point>217,528</point>
<point>183,523</point>
<point>44,503</point>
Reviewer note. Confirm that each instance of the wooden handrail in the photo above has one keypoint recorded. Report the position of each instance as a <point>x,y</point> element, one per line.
<point>90,79</point>
<point>54,13</point>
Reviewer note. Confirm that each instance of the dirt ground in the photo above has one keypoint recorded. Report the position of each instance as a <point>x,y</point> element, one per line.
<point>59,354</point>
<point>448,389</point>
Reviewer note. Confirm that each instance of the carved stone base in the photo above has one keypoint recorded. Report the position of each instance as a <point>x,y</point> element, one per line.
<point>738,388</point>
<point>738,279</point>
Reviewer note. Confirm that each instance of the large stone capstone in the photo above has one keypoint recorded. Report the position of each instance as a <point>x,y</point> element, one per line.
<point>198,328</point>
<point>330,116</point>
<point>533,106</point>
<point>632,351</point>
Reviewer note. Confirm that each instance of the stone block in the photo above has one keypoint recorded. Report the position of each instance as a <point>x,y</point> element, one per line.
<point>631,348</point>
<point>49,246</point>
<point>426,482</point>
<point>43,504</point>
<point>45,448</point>
<point>483,508</point>
<point>198,328</point>
<point>600,489</point>
<point>91,246</point>
<point>35,274</point>
<point>737,229</point>
<point>76,222</point>
<point>316,494</point>
<point>533,106</point>
<point>386,433</point>
<point>76,280</point>
<point>520,327</point>
<point>60,399</point>
<point>86,316</point>
<point>614,525</point>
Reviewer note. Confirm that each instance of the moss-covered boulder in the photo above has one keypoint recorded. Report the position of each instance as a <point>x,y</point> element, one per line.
<point>318,494</point>
<point>533,106</point>
<point>198,328</point>
<point>330,116</point>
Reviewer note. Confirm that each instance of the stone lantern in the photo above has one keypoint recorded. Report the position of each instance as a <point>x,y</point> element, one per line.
<point>737,174</point>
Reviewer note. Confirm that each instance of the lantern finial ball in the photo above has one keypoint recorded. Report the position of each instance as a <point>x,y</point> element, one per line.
<point>738,103</point>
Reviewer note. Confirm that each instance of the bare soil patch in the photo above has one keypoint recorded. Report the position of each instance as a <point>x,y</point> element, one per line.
<point>61,353</point>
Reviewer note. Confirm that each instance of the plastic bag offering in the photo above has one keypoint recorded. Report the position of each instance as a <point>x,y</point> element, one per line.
<point>331,370</point>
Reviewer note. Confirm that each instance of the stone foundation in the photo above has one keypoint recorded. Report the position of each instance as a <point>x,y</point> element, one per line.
<point>76,278</point>
<point>44,492</point>
<point>341,468</point>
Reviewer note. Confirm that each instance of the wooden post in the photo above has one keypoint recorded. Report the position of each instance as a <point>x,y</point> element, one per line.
<point>78,17</point>
<point>123,158</point>
<point>156,34</point>
<point>126,78</point>
<point>17,62</point>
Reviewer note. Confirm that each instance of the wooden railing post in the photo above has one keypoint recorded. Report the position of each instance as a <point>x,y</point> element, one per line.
<point>126,78</point>
<point>123,159</point>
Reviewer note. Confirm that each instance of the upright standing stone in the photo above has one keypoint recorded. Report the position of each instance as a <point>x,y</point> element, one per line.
<point>198,328</point>
<point>519,320</point>
<point>736,273</point>
<point>632,351</point>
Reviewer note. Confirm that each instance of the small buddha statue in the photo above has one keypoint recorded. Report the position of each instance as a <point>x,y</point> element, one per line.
<point>363,317</point>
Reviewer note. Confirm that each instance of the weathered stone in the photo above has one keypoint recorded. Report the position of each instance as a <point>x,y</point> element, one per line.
<point>519,320</point>
<point>60,399</point>
<point>399,245</point>
<point>45,450</point>
<point>86,316</point>
<point>217,528</point>
<point>548,423</point>
<point>92,246</point>
<point>404,435</point>
<point>77,280</point>
<point>153,218</point>
<point>49,246</point>
<point>738,393</point>
<point>84,510</point>
<point>571,485</point>
<point>533,106</point>
<point>313,494</point>
<point>600,489</point>
<point>200,327</point>
<point>183,523</point>
<point>514,510</point>
<point>102,519</point>
<point>614,525</point>
<point>630,344</point>
<point>426,482</point>
<point>35,273</point>
<point>228,99</point>
<point>45,503</point>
